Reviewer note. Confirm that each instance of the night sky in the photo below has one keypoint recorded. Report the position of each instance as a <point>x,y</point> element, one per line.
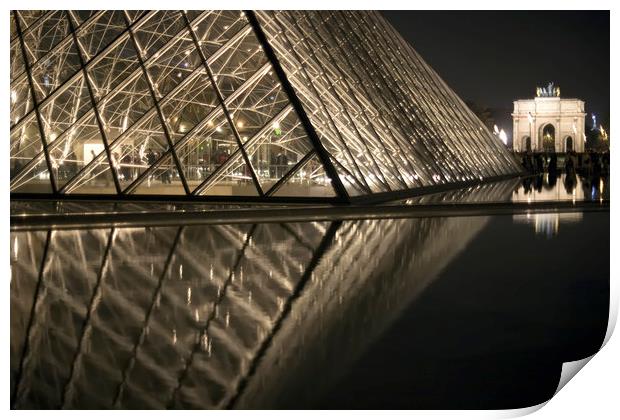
<point>495,57</point>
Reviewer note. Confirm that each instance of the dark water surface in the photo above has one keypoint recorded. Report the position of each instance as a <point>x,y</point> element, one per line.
<point>428,313</point>
<point>493,329</point>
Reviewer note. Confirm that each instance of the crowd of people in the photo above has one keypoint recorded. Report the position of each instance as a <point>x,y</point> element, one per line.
<point>586,164</point>
<point>590,166</point>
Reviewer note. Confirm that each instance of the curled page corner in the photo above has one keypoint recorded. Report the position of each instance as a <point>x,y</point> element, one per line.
<point>570,369</point>
<point>520,412</point>
<point>613,314</point>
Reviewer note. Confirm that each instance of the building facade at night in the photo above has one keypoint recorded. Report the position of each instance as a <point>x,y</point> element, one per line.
<point>234,104</point>
<point>549,123</point>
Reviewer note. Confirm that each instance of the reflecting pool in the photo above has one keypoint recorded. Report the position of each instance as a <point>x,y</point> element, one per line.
<point>530,189</point>
<point>439,312</point>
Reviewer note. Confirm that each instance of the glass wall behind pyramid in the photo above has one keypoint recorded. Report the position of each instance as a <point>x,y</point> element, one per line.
<point>187,103</point>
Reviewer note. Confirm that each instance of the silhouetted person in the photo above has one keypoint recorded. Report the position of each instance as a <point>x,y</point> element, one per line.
<point>553,164</point>
<point>596,165</point>
<point>166,177</point>
<point>528,164</point>
<point>538,182</point>
<point>539,163</point>
<point>527,184</point>
<point>569,167</point>
<point>273,166</point>
<point>281,162</point>
<point>151,157</point>
<point>569,181</point>
<point>605,163</point>
<point>586,164</point>
<point>221,157</point>
<point>125,167</point>
<point>586,186</point>
<point>553,178</point>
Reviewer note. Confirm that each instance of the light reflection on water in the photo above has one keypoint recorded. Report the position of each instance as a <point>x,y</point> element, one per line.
<point>217,316</point>
<point>549,187</point>
<point>543,187</point>
<point>158,317</point>
<point>547,224</point>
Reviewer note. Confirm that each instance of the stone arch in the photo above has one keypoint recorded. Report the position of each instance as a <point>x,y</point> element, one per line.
<point>547,135</point>
<point>526,144</point>
<point>569,144</point>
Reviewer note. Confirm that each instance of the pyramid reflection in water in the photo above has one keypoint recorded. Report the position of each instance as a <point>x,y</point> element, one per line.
<point>213,316</point>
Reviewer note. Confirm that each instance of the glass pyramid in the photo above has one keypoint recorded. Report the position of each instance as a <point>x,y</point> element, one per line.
<point>229,104</point>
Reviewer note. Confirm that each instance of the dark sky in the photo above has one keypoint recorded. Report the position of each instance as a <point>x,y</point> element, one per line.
<point>495,57</point>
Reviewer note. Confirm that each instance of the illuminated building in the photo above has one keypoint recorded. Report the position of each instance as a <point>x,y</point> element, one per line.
<point>234,105</point>
<point>548,123</point>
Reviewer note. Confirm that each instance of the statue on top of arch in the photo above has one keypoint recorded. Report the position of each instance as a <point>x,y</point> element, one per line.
<point>548,92</point>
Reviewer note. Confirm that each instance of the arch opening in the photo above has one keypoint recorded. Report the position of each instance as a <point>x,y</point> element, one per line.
<point>568,144</point>
<point>548,138</point>
<point>527,144</point>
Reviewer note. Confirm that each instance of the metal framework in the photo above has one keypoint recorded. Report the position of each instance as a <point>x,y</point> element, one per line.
<point>231,105</point>
<point>206,316</point>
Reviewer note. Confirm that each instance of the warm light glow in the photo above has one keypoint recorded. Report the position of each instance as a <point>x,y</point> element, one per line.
<point>501,134</point>
<point>65,151</point>
<point>378,154</point>
<point>604,135</point>
<point>91,150</point>
<point>503,137</point>
<point>15,247</point>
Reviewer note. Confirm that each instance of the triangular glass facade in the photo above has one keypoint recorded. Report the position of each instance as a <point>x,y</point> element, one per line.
<point>233,104</point>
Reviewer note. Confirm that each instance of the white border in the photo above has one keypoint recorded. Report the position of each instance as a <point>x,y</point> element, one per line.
<point>593,394</point>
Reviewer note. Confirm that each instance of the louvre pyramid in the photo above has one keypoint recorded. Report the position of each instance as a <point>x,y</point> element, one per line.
<point>231,104</point>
